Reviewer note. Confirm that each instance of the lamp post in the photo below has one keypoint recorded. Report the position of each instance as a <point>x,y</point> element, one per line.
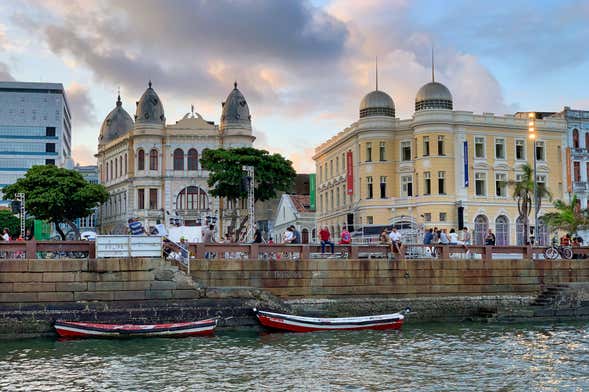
<point>532,136</point>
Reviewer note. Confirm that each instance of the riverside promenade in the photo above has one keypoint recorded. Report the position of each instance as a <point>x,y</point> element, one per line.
<point>358,280</point>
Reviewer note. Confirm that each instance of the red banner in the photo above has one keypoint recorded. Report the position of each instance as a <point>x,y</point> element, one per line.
<point>349,173</point>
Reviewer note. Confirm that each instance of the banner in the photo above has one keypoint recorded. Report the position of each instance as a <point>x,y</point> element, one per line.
<point>349,173</point>
<point>466,181</point>
<point>312,191</point>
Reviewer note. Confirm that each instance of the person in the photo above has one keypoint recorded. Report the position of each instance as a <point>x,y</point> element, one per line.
<point>345,238</point>
<point>325,237</point>
<point>565,240</point>
<point>6,234</point>
<point>466,238</point>
<point>184,249</point>
<point>384,237</point>
<point>208,237</point>
<point>436,238</point>
<point>490,238</point>
<point>288,236</point>
<point>444,240</point>
<point>28,235</point>
<point>135,227</point>
<point>428,238</point>
<point>453,237</point>
<point>395,237</point>
<point>296,235</point>
<point>258,237</point>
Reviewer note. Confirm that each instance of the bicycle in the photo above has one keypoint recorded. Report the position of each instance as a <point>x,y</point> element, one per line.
<point>553,251</point>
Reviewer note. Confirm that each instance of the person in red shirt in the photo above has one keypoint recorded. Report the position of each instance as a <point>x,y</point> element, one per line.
<point>345,238</point>
<point>325,237</point>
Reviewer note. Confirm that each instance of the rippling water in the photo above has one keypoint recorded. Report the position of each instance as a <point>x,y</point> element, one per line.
<point>467,357</point>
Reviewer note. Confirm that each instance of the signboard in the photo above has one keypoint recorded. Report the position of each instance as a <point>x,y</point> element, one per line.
<point>349,173</point>
<point>312,191</point>
<point>568,166</point>
<point>128,246</point>
<point>466,180</point>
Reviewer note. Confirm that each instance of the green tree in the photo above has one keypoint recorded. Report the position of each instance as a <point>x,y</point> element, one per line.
<point>57,195</point>
<point>272,173</point>
<point>523,192</point>
<point>568,217</point>
<point>12,222</point>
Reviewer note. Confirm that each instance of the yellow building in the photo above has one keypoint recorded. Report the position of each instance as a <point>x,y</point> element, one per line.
<point>440,168</point>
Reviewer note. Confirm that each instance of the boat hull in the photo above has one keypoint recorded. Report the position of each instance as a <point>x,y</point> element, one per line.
<point>72,329</point>
<point>290,323</point>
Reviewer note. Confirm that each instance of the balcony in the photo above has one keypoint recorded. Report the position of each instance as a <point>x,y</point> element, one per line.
<point>578,153</point>
<point>579,187</point>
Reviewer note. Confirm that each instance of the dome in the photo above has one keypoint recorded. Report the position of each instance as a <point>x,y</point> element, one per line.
<point>117,123</point>
<point>235,110</point>
<point>150,108</point>
<point>377,103</point>
<point>433,95</point>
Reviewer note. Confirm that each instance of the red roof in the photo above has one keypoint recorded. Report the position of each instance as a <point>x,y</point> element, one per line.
<point>301,202</point>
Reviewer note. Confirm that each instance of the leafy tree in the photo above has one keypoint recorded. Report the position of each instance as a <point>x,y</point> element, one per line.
<point>523,192</point>
<point>57,195</point>
<point>12,222</point>
<point>568,217</point>
<point>272,173</point>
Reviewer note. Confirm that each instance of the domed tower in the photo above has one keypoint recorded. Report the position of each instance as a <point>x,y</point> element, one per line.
<point>236,124</point>
<point>433,95</point>
<point>117,123</point>
<point>377,103</point>
<point>149,108</point>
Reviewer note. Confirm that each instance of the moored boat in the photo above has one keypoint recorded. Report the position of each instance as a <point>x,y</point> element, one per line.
<point>286,322</point>
<point>74,329</point>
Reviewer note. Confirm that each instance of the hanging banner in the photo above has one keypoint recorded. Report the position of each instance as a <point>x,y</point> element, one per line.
<point>568,170</point>
<point>349,173</point>
<point>312,191</point>
<point>466,181</point>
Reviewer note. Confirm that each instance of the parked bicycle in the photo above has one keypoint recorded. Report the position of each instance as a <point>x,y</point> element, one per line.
<point>554,251</point>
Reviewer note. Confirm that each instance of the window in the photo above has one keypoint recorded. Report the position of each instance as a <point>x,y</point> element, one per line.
<point>344,163</point>
<point>321,206</point>
<point>587,170</point>
<point>500,148</point>
<point>442,182</point>
<point>178,159</point>
<point>441,145</point>
<point>192,159</point>
<point>575,138</point>
<point>479,147</point>
<point>577,171</point>
<point>541,179</point>
<point>427,217</point>
<point>50,131</point>
<point>443,216</point>
<point>331,199</point>
<point>337,198</point>
<point>406,186</point>
<point>381,152</point>
<point>52,162</point>
<point>369,187</point>
<point>153,199</point>
<point>501,184</point>
<point>383,187</point>
<point>153,159</point>
<point>121,166</point>
<point>520,150</point>
<point>426,146</point>
<point>116,168</point>
<point>141,160</point>
<point>369,220</point>
<point>336,165</point>
<point>587,140</point>
<point>406,151</point>
<point>49,147</point>
<point>107,166</point>
<point>480,182</point>
<point>141,199</point>
<point>427,185</point>
<point>368,152</point>
<point>540,153</point>
<point>331,168</point>
<point>111,171</point>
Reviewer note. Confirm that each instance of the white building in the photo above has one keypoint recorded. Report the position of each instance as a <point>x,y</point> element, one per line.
<point>35,128</point>
<point>295,210</point>
<point>152,169</point>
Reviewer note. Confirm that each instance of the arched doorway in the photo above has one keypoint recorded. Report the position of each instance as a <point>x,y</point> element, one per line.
<point>305,236</point>
<point>519,230</point>
<point>191,203</point>
<point>502,230</point>
<point>481,226</point>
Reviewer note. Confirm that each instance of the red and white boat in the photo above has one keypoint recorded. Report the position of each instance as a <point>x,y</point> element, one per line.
<point>291,323</point>
<point>73,329</point>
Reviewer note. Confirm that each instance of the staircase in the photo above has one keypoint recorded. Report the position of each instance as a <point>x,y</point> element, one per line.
<point>549,295</point>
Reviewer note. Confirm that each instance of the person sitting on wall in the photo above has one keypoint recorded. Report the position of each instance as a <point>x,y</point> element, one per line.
<point>346,238</point>
<point>490,238</point>
<point>325,238</point>
<point>395,236</point>
<point>136,228</point>
<point>565,240</point>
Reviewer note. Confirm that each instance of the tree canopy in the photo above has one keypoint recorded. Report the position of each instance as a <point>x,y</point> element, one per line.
<point>12,223</point>
<point>568,217</point>
<point>57,195</point>
<point>273,172</point>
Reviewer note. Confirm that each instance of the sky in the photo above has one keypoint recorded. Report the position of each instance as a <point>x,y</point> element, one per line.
<point>303,66</point>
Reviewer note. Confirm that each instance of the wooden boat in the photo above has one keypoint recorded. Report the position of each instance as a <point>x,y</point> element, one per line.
<point>72,329</point>
<point>291,323</point>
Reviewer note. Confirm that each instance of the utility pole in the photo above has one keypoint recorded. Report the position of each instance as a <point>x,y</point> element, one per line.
<point>532,135</point>
<point>250,203</point>
<point>22,213</point>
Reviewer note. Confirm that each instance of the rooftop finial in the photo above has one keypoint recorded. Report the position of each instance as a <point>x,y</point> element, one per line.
<point>433,79</point>
<point>119,96</point>
<point>376,64</point>
<point>235,85</point>
<point>149,84</point>
<point>192,110</point>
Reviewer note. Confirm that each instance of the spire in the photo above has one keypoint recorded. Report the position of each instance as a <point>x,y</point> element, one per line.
<point>149,84</point>
<point>119,102</point>
<point>376,65</point>
<point>235,85</point>
<point>433,79</point>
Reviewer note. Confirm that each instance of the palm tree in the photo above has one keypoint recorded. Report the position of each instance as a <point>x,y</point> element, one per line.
<point>569,217</point>
<point>523,191</point>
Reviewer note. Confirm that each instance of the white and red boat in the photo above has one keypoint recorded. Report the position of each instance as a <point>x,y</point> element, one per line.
<point>291,323</point>
<point>73,329</point>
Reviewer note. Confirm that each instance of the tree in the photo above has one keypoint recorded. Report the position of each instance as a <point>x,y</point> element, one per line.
<point>568,217</point>
<point>57,195</point>
<point>272,173</point>
<point>12,222</point>
<point>523,192</point>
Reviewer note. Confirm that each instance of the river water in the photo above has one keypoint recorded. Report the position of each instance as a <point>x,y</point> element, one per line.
<point>428,357</point>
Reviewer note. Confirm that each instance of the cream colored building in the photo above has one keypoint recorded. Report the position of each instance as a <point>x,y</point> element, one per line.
<point>152,169</point>
<point>414,173</point>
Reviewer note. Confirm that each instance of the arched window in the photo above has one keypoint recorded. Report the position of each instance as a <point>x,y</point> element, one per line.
<point>519,230</point>
<point>543,233</point>
<point>125,164</point>
<point>305,236</point>
<point>121,166</point>
<point>111,171</point>
<point>192,159</point>
<point>502,230</point>
<point>575,138</point>
<point>481,226</point>
<point>116,168</point>
<point>153,159</point>
<point>107,166</point>
<point>141,160</point>
<point>178,159</point>
<point>192,198</point>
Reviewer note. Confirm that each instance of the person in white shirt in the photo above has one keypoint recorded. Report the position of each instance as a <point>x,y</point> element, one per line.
<point>453,237</point>
<point>395,237</point>
<point>6,234</point>
<point>288,236</point>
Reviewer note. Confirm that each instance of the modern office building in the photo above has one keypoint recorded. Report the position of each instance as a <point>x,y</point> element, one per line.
<point>441,167</point>
<point>35,128</point>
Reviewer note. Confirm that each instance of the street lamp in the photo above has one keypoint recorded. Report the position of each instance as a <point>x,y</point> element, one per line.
<point>532,136</point>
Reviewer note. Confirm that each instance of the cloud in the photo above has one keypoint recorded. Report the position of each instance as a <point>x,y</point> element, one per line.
<point>84,155</point>
<point>5,74</point>
<point>80,104</point>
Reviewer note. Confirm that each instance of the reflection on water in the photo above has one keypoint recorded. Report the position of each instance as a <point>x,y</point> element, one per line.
<point>467,357</point>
